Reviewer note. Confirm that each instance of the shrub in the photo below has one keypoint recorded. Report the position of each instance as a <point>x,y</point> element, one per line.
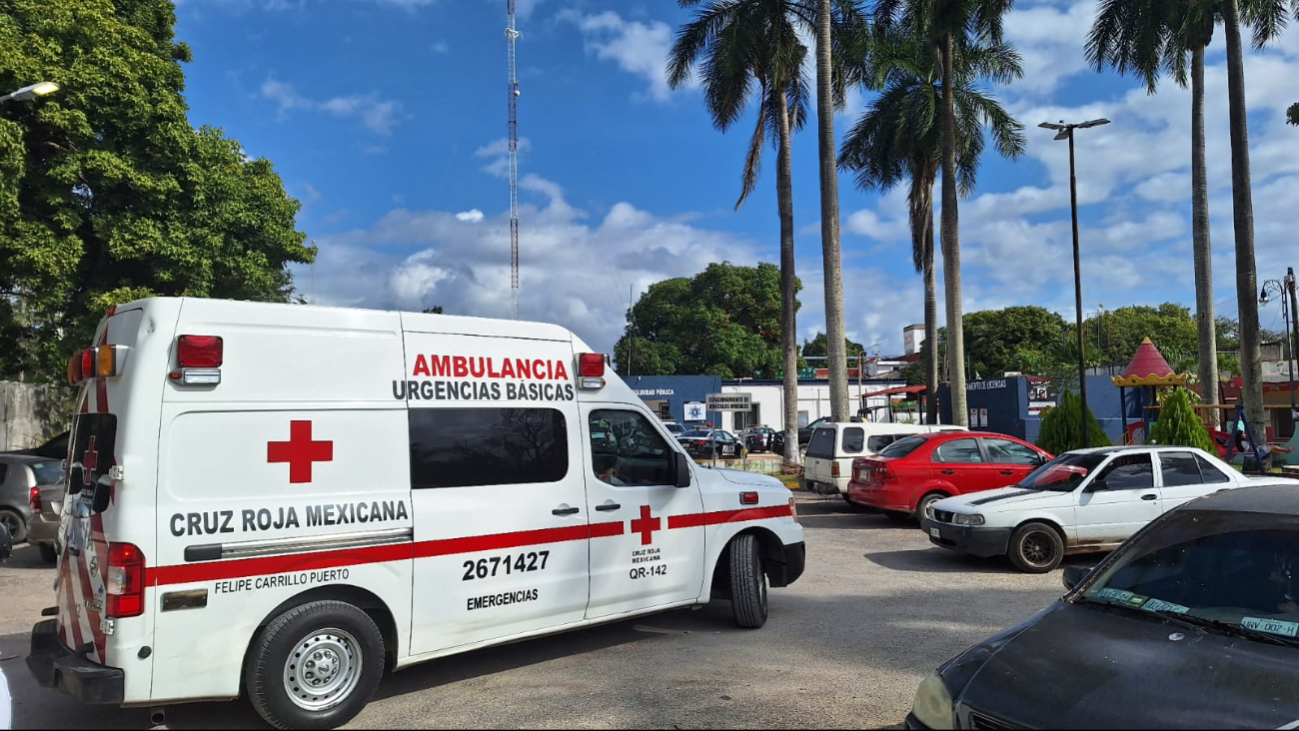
<point>1060,432</point>
<point>1179,426</point>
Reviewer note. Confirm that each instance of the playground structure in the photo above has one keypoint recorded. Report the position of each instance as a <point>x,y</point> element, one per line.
<point>1149,370</point>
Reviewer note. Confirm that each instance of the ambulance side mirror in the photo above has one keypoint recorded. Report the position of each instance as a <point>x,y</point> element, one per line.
<point>76,478</point>
<point>103,492</point>
<point>682,466</point>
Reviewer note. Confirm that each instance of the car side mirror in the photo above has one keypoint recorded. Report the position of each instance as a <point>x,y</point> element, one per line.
<point>1074,575</point>
<point>681,465</point>
<point>76,478</point>
<point>103,494</point>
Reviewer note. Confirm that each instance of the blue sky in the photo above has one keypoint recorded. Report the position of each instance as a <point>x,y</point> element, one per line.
<point>387,119</point>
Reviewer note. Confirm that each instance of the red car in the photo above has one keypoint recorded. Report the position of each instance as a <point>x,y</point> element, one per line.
<point>915,471</point>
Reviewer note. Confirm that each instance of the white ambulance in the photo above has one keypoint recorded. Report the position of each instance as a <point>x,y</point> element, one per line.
<point>284,502</point>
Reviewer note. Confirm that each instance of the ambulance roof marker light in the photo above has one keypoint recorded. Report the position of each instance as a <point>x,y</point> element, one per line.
<point>590,368</point>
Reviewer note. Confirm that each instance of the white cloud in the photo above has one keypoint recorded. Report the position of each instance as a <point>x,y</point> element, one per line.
<point>470,216</point>
<point>497,153</point>
<point>639,48</point>
<point>441,47</point>
<point>376,114</point>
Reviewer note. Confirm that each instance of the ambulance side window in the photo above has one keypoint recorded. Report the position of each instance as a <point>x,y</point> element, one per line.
<point>626,449</point>
<point>473,447</point>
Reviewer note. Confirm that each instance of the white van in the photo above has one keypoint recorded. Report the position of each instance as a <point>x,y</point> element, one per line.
<point>827,466</point>
<point>286,501</point>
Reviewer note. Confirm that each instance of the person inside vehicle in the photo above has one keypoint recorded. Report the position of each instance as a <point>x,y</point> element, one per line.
<point>605,468</point>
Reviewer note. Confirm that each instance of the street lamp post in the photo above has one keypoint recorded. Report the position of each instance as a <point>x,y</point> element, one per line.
<point>28,93</point>
<point>1284,287</point>
<point>1065,132</point>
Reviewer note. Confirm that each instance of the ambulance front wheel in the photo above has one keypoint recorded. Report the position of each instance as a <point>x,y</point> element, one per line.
<point>748,583</point>
<point>315,666</point>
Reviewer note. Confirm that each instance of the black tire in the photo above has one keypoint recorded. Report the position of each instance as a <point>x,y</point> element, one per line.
<point>898,518</point>
<point>48,554</point>
<point>925,502</point>
<point>1036,548</point>
<point>288,635</point>
<point>16,525</point>
<point>748,583</point>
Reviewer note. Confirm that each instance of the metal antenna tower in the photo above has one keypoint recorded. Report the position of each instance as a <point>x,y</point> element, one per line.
<point>512,35</point>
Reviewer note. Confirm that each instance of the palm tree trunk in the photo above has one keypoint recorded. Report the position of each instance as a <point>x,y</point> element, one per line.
<point>788,290</point>
<point>1251,374</point>
<point>951,242</point>
<point>830,253</point>
<point>931,307</point>
<point>1208,345</point>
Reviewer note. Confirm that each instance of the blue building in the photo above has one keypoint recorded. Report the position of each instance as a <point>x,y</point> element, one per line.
<point>667,396</point>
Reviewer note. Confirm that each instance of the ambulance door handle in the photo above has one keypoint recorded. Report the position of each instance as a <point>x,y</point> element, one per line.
<point>606,507</point>
<point>566,511</point>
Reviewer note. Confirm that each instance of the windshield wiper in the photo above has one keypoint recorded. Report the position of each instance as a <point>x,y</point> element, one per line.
<point>1228,628</point>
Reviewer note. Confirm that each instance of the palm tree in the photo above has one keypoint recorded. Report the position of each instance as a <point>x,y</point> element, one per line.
<point>951,27</point>
<point>830,252</point>
<point>1149,38</point>
<point>737,44</point>
<point>897,137</point>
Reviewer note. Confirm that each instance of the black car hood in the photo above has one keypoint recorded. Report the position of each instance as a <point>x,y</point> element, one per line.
<point>1083,666</point>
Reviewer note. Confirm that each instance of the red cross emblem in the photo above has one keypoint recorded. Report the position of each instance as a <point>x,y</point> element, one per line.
<point>89,461</point>
<point>645,526</point>
<point>300,452</point>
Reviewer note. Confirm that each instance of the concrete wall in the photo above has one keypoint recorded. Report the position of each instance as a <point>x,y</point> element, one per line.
<point>30,414</point>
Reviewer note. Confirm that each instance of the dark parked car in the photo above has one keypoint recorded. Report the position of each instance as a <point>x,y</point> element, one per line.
<point>759,438</point>
<point>711,444</point>
<point>805,432</point>
<point>1192,623</point>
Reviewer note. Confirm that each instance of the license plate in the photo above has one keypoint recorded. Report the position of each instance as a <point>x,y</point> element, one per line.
<point>935,533</point>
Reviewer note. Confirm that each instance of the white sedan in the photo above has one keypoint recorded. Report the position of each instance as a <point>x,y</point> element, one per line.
<point>1083,501</point>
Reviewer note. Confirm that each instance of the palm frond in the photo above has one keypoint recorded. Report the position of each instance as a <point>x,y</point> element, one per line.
<point>753,160</point>
<point>1267,18</point>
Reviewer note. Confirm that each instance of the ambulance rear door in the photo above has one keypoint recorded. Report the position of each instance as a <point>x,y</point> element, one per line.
<point>501,527</point>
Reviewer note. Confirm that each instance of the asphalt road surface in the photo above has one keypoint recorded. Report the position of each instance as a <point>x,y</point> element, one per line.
<point>845,647</point>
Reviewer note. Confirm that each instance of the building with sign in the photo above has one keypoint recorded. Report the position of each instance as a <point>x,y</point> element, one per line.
<point>767,399</point>
<point>678,398</point>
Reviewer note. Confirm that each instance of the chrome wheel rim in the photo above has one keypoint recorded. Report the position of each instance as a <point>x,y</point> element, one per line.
<point>323,669</point>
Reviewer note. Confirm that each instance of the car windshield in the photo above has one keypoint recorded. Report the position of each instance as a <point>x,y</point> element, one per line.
<point>903,446</point>
<point>701,433</point>
<point>1227,570</point>
<point>1064,473</point>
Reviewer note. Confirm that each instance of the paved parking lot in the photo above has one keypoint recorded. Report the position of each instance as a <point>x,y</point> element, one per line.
<point>845,647</point>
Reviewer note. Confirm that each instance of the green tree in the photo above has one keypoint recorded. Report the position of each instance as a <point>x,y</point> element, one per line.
<point>1118,333</point>
<point>434,310</point>
<point>1292,114</point>
<point>952,27</point>
<point>1147,38</point>
<point>818,347</point>
<point>108,194</point>
<point>998,340</point>
<point>737,46</point>
<point>898,137</point>
<point>1179,426</point>
<point>1060,431</point>
<point>724,321</point>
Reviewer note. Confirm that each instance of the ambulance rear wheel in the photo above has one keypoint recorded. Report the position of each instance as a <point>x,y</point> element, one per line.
<point>315,666</point>
<point>748,583</point>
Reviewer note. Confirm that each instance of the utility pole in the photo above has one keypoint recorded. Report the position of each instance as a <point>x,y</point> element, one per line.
<point>512,35</point>
<point>1294,333</point>
<point>631,332</point>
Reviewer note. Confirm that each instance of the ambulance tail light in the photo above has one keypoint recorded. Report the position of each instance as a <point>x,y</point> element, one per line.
<point>590,370</point>
<point>104,361</point>
<point>124,582</point>
<point>200,358</point>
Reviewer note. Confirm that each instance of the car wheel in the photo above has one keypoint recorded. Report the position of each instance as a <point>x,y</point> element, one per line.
<point>48,554</point>
<point>15,524</point>
<point>748,583</point>
<point>925,502</point>
<point>315,666</point>
<point>1036,548</point>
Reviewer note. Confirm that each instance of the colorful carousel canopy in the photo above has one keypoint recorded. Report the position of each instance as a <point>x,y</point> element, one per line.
<point>1148,368</point>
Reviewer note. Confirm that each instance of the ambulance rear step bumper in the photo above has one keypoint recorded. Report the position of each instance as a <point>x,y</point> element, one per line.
<point>56,667</point>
